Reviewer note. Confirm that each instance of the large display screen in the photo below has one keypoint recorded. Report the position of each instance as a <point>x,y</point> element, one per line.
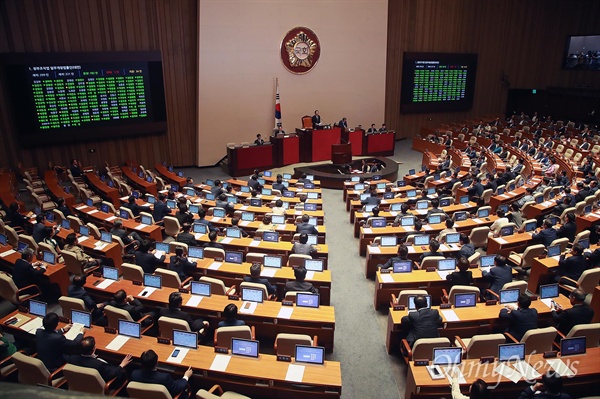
<point>66,97</point>
<point>582,53</point>
<point>437,82</point>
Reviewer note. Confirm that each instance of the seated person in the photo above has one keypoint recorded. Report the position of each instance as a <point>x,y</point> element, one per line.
<point>579,313</point>
<point>549,388</point>
<point>265,224</point>
<point>299,284</point>
<point>49,234</point>
<point>498,223</point>
<point>278,185</point>
<point>174,311</point>
<point>402,255</point>
<point>254,277</point>
<point>305,227</point>
<point>202,219</point>
<point>520,318</point>
<point>466,248</point>
<point>423,323</point>
<point>259,140</point>
<point>72,246</point>
<point>126,237</point>
<point>51,344</point>
<point>160,208</point>
<point>573,266</point>
<point>546,235</point>
<point>515,216</point>
<point>15,218</point>
<point>278,209</point>
<point>234,225</point>
<point>498,275</point>
<point>301,247</point>
<point>60,205</point>
<point>26,272</point>
<point>145,257</point>
<point>434,246</point>
<point>372,199</point>
<point>478,390</point>
<point>77,290</point>
<point>183,216</point>
<point>569,229</point>
<point>107,371</point>
<point>149,375</point>
<point>463,276</point>
<point>185,237</point>
<point>180,264</point>
<point>230,314</point>
<point>212,236</point>
<point>135,208</point>
<point>449,229</point>
<point>38,228</point>
<point>127,302</point>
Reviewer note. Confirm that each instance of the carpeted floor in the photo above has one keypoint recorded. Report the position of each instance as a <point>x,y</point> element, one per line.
<point>367,370</point>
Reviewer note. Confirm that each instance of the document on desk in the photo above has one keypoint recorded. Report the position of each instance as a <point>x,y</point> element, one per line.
<point>295,373</point>
<point>374,249</point>
<point>146,292</point>
<point>220,362</point>
<point>254,243</point>
<point>81,207</point>
<point>140,227</point>
<point>99,245</point>
<point>76,328</point>
<point>117,343</point>
<point>450,315</point>
<point>443,274</point>
<point>478,221</point>
<point>32,325</point>
<point>82,239</point>
<point>226,240</point>
<point>285,312</point>
<point>248,307</point>
<point>500,240</point>
<point>387,278</point>
<point>110,219</point>
<point>547,302</point>
<point>6,253</point>
<point>444,248</point>
<point>367,230</point>
<point>215,265</point>
<point>310,275</point>
<point>92,211</point>
<point>104,284</point>
<point>560,367</point>
<point>244,223</point>
<point>268,272</point>
<point>411,249</point>
<point>180,356</point>
<point>216,219</point>
<point>508,372</point>
<point>159,254</point>
<point>527,371</point>
<point>194,301</point>
<point>425,227</point>
<point>421,211</point>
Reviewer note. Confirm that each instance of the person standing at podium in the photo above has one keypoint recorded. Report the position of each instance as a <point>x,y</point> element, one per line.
<point>343,123</point>
<point>316,120</point>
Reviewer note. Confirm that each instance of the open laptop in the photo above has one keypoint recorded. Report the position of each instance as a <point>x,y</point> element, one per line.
<point>195,253</point>
<point>278,219</point>
<point>465,300</point>
<point>402,266</point>
<point>313,239</point>
<point>530,226</point>
<point>123,214</point>
<point>21,246</point>
<point>270,236</point>
<point>244,347</point>
<point>111,273</point>
<point>511,352</point>
<point>104,208</point>
<point>272,261</point>
<point>130,329</point>
<point>572,346</point>
<point>487,261</point>
<point>389,241</point>
<point>444,202</point>
<point>315,265</point>
<point>310,207</point>
<point>248,216</point>
<point>553,250</point>
<point>307,300</point>
<point>447,356</point>
<point>452,238</point>
<point>422,204</point>
<point>106,237</point>
<point>445,267</point>
<point>145,219</point>
<point>395,207</point>
<point>232,232</point>
<point>460,216</point>
<point>219,213</point>
<point>421,240</point>
<point>48,257</point>
<point>507,231</point>
<point>309,354</point>
<point>252,295</point>
<point>234,257</point>
<point>200,288</point>
<point>407,221</point>
<point>434,219</point>
<point>194,209</point>
<point>3,239</point>
<point>509,296</point>
<point>483,213</point>
<point>464,199</point>
<point>153,281</point>
<point>200,228</point>
<point>79,319</point>
<point>549,291</point>
<point>37,309</point>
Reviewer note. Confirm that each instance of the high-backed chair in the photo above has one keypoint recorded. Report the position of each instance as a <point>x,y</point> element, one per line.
<point>587,281</point>
<point>217,392</point>
<point>430,261</point>
<point>479,236</point>
<point>75,266</point>
<point>403,295</point>
<point>16,296</point>
<point>291,295</point>
<point>67,304</point>
<point>171,279</point>
<point>423,348</point>
<point>24,238</point>
<point>166,325</point>
<point>172,227</point>
<point>448,297</point>
<point>75,222</point>
<point>223,335</point>
<point>88,380</point>
<point>214,253</point>
<point>33,372</point>
<point>285,344</point>
<point>296,260</point>
<point>581,236</point>
<point>111,207</point>
<point>132,272</point>
<point>176,244</point>
<point>12,236</point>
<point>217,287</point>
<point>252,257</point>
<point>256,286</point>
<point>139,390</point>
<point>537,340</point>
<point>480,345</point>
<point>525,260</point>
<point>521,285</point>
<point>563,242</point>
<point>114,314</point>
<point>591,332</point>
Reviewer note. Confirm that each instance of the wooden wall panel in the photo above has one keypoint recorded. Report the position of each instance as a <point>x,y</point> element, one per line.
<point>109,25</point>
<point>523,39</point>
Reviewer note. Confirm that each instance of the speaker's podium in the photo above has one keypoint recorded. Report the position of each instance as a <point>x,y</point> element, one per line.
<point>341,153</point>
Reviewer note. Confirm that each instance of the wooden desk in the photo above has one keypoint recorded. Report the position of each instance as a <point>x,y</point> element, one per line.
<point>480,319</point>
<point>541,272</point>
<point>265,319</point>
<point>243,160</point>
<point>139,182</point>
<point>381,144</point>
<point>286,149</point>
<point>262,377</point>
<point>170,176</point>
<point>57,190</point>
<point>111,251</point>
<point>504,245</point>
<point>110,193</point>
<point>419,384</point>
<point>315,145</point>
<point>587,221</point>
<point>56,274</point>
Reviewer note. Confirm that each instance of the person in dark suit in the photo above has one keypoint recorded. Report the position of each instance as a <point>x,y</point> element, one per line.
<point>463,276</point>
<point>302,247</point>
<point>372,129</point>
<point>259,140</point>
<point>160,208</point>
<point>77,290</point>
<point>305,227</point>
<point>75,168</point>
<point>546,235</point>
<point>126,237</point>
<point>519,167</point>
<point>520,318</point>
<point>254,277</point>
<point>573,266</point>
<point>579,313</point>
<point>127,302</point>
<point>234,225</point>
<point>582,192</point>
<point>212,236</point>
<point>569,229</point>
<point>174,311</point>
<point>149,375</point>
<point>254,184</point>
<point>402,255</point>
<point>278,185</point>
<point>14,217</point>
<point>230,314</point>
<point>27,273</point>
<point>343,123</point>
<point>423,323</point>
<point>180,264</point>
<point>202,219</point>
<point>60,205</point>
<point>39,228</point>
<point>183,216</point>
<point>299,284</point>
<point>135,208</point>
<point>145,258</point>
<point>371,199</point>
<point>549,388</point>
<point>186,237</point>
<point>466,248</point>
<point>498,275</point>
<point>434,246</point>
<point>316,120</point>
<point>51,343</point>
<point>107,371</point>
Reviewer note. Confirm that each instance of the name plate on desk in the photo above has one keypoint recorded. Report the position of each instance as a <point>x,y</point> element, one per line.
<point>162,340</point>
<point>110,330</point>
<point>550,354</point>
<point>233,297</point>
<point>384,271</point>
<point>421,362</point>
<point>287,303</point>
<point>284,358</point>
<point>430,269</point>
<point>445,306</point>
<point>398,307</point>
<point>184,291</point>
<point>221,349</point>
<point>136,282</point>
<point>486,359</point>
<point>491,302</point>
<point>97,274</point>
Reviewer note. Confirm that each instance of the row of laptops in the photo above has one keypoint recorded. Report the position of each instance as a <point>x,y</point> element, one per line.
<point>47,256</point>
<point>392,241</point>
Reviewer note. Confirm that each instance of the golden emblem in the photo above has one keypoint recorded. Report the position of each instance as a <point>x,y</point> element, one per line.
<point>301,50</point>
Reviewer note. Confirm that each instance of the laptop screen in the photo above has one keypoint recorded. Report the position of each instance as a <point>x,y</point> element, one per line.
<point>267,173</point>
<point>452,238</point>
<point>104,208</point>
<point>151,199</point>
<point>270,236</point>
<point>447,356</point>
<point>210,182</point>
<point>200,288</point>
<point>162,246</point>
<point>359,186</point>
<point>130,329</point>
<point>65,224</point>
<point>111,273</point>
<point>288,194</point>
<point>153,281</point>
<point>380,186</point>
<point>500,191</point>
<point>310,207</point>
<point>503,208</point>
<point>465,300</point>
<point>147,220</point>
<point>312,239</point>
<point>549,291</point>
<point>511,352</point>
<point>312,195</point>
<point>233,257</point>
<point>83,318</point>
<point>49,257</point>
<point>190,192</point>
<point>232,200</point>
<point>585,243</point>
<point>572,346</point>
<point>388,195</point>
<point>411,172</point>
<point>421,240</point>
<point>272,261</point>
<point>530,226</point>
<point>411,193</point>
<point>123,214</point>
<point>307,300</point>
<point>3,239</point>
<point>400,183</point>
<point>37,308</point>
<point>553,250</point>
<point>389,241</point>
<point>255,202</point>
<point>194,209</point>
<point>171,204</point>
<point>509,296</point>
<point>287,176</point>
<point>278,219</point>
<point>464,199</point>
<point>407,221</point>
<point>84,230</point>
<point>378,223</point>
<point>411,301</point>
<point>483,213</point>
<point>233,232</point>
<point>507,231</point>
<point>244,347</point>
<point>89,202</point>
<point>315,265</point>
<point>402,266</point>
<point>245,189</point>
<point>219,213</point>
<point>247,216</point>
<point>105,236</point>
<point>434,219</point>
<point>487,260</point>
<point>396,207</point>
<point>459,216</point>
<point>266,191</point>
<point>309,354</point>
<point>21,246</point>
<point>422,204</point>
<point>444,202</point>
<point>252,294</point>
<point>200,228</point>
<point>446,264</point>
<point>355,178</point>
